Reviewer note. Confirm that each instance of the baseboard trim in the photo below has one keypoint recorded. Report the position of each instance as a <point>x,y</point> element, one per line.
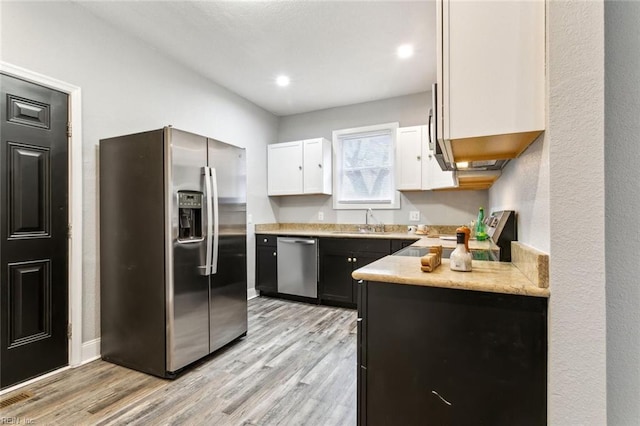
<point>90,350</point>
<point>252,293</point>
<point>29,382</point>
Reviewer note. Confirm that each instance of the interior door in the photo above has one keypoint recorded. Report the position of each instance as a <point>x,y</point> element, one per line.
<point>228,284</point>
<point>33,230</point>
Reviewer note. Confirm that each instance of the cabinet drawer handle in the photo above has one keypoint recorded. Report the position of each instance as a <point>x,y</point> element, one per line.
<point>348,259</point>
<point>299,167</point>
<point>265,240</point>
<point>275,254</point>
<point>441,398</point>
<point>418,158</point>
<point>320,165</point>
<point>355,260</point>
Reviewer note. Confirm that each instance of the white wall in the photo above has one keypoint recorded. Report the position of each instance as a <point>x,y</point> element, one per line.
<point>524,187</point>
<point>557,186</point>
<point>577,323</point>
<point>436,207</point>
<point>129,87</point>
<point>622,224</point>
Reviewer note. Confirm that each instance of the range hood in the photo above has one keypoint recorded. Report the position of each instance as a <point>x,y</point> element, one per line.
<point>482,153</point>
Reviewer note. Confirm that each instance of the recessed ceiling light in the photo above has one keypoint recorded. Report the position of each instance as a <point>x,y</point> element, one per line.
<point>462,164</point>
<point>405,51</point>
<point>282,80</point>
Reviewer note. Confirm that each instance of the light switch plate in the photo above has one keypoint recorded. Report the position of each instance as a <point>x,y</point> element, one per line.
<point>414,216</point>
<point>249,219</point>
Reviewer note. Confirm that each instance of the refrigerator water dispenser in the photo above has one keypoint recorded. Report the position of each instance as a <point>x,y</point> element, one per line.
<point>189,216</point>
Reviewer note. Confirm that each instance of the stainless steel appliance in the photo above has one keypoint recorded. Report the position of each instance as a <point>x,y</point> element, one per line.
<point>298,266</point>
<point>501,228</point>
<point>173,275</point>
<point>443,150</point>
<point>490,255</point>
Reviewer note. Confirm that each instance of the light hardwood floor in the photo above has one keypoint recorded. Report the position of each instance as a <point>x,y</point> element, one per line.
<point>297,366</point>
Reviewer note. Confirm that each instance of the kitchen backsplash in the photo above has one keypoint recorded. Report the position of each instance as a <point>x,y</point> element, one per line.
<point>435,207</point>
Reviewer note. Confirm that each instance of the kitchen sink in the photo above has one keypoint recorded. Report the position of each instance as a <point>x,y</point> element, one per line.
<point>361,232</point>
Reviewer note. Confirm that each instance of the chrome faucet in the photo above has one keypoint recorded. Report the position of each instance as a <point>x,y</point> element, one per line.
<point>376,227</point>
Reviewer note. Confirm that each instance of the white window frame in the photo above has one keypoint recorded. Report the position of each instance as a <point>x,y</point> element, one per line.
<point>394,203</point>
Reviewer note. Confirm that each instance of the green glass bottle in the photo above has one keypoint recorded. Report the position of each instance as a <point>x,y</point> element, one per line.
<point>481,229</point>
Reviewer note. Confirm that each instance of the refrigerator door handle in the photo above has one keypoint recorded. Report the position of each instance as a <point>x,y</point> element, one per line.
<point>208,196</point>
<point>214,196</point>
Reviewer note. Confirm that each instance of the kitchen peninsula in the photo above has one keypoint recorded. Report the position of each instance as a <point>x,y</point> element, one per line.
<point>453,347</point>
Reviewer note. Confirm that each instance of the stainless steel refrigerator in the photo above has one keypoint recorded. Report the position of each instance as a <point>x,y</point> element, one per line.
<point>173,274</point>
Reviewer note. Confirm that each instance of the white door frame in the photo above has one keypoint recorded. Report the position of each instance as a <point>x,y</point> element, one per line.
<point>75,199</point>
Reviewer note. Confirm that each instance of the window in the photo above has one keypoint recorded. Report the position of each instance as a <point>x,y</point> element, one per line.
<point>363,173</point>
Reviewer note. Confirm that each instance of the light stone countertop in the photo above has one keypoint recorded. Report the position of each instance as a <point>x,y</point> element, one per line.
<point>493,277</point>
<point>526,275</point>
<point>345,231</point>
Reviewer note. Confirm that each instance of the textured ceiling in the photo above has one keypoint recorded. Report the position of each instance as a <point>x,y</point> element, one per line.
<point>336,52</point>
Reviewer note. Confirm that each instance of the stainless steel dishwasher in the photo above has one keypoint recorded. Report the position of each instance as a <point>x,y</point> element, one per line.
<point>298,266</point>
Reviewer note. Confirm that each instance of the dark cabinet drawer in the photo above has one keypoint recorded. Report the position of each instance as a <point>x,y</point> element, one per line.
<point>266,240</point>
<point>356,245</point>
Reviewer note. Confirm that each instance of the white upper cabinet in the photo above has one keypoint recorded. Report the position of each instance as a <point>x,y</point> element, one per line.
<point>491,77</point>
<point>300,167</point>
<point>416,166</point>
<point>409,142</point>
<point>284,164</point>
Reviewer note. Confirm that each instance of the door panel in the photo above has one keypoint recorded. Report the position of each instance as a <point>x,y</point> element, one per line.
<point>28,183</point>
<point>33,230</point>
<point>29,296</point>
<point>267,268</point>
<point>335,278</point>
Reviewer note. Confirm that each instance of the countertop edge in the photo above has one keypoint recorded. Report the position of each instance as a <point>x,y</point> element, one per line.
<point>369,273</point>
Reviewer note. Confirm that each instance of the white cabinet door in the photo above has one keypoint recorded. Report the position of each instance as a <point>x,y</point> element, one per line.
<point>284,168</point>
<point>491,76</point>
<point>433,177</point>
<point>409,141</point>
<point>317,166</point>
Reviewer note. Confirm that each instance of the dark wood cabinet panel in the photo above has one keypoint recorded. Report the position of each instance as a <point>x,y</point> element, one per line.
<point>266,263</point>
<point>266,240</point>
<point>335,276</point>
<point>339,257</point>
<point>375,245</point>
<point>442,356</point>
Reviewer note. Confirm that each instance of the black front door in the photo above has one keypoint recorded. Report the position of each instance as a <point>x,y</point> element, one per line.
<point>33,230</point>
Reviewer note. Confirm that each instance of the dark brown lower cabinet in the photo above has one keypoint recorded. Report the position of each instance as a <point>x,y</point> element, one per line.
<point>339,257</point>
<point>434,356</point>
<point>266,263</point>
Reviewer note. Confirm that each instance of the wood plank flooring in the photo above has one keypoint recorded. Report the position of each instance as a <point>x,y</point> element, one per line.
<point>297,366</point>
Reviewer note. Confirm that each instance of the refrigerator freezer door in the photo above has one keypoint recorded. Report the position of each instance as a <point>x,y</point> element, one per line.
<point>228,285</point>
<point>187,292</point>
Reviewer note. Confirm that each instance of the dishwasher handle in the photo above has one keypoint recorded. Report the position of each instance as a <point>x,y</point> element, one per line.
<point>297,241</point>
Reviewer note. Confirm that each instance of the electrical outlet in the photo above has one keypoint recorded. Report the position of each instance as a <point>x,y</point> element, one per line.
<point>320,215</point>
<point>414,216</point>
<point>249,219</point>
